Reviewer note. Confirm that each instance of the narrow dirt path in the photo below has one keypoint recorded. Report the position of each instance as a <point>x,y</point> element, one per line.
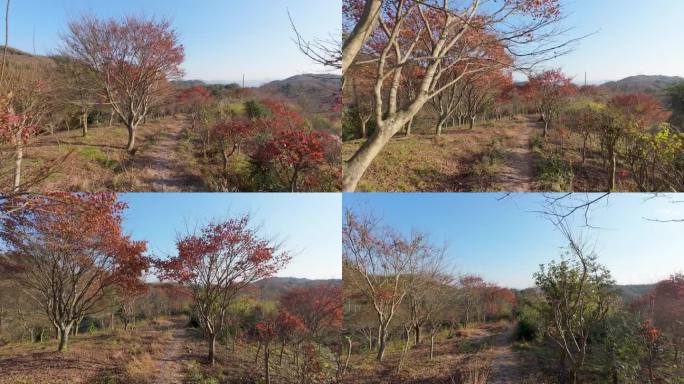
<point>517,174</point>
<point>158,159</point>
<point>172,363</point>
<point>505,362</point>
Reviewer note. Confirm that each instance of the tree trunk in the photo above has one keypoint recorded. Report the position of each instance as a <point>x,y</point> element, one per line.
<point>131,137</point>
<point>64,331</point>
<point>409,126</point>
<point>364,132</point>
<point>584,150</point>
<point>349,351</point>
<point>211,339</point>
<point>382,340</point>
<point>267,371</point>
<point>432,346</point>
<point>84,123</point>
<point>472,122</point>
<point>546,127</point>
<point>440,125</point>
<point>282,350</point>
<point>357,165</point>
<point>18,158</point>
<point>111,118</point>
<point>613,171</point>
<point>417,331</point>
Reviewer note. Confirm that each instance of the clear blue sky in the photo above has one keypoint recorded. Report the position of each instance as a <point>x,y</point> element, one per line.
<point>503,241</point>
<point>633,37</point>
<point>223,38</point>
<point>309,224</point>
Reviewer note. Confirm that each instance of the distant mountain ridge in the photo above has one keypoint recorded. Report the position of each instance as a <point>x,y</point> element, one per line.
<point>655,84</point>
<point>272,288</point>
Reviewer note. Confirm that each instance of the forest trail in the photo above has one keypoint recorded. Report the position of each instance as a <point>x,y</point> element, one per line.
<point>171,365</point>
<point>517,174</point>
<point>505,362</point>
<point>159,159</point>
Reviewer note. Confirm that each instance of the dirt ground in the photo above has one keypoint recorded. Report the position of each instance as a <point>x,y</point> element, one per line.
<point>424,163</point>
<point>158,352</point>
<point>484,351</point>
<point>163,160</point>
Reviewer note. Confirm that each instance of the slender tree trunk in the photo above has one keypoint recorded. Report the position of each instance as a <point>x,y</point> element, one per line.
<point>18,158</point>
<point>84,123</point>
<point>613,171</point>
<point>364,132</point>
<point>409,127</point>
<point>472,122</point>
<point>382,340</point>
<point>111,118</point>
<point>131,136</point>
<point>417,331</point>
<point>282,350</point>
<point>432,346</point>
<point>440,125</point>
<point>267,371</point>
<point>211,339</point>
<point>546,127</point>
<point>349,351</point>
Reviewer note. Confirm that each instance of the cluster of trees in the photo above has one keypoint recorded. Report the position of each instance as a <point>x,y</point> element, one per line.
<point>283,152</point>
<point>127,70</point>
<point>448,64</point>
<point>399,286</point>
<point>411,52</point>
<point>66,264</point>
<point>219,264</point>
<point>69,255</point>
<point>596,334</point>
<point>633,136</point>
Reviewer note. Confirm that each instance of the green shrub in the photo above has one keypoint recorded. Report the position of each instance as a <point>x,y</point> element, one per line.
<point>555,173</point>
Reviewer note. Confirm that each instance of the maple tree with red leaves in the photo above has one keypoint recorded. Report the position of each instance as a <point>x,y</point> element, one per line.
<point>192,99</point>
<point>547,90</point>
<point>218,262</point>
<point>643,109</point>
<point>132,59</point>
<point>77,237</point>
<point>232,133</point>
<point>318,306</point>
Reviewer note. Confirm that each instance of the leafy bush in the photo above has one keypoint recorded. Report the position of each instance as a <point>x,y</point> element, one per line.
<point>555,173</point>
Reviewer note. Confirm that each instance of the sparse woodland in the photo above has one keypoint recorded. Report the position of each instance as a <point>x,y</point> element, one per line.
<point>77,290</point>
<point>109,112</point>
<point>409,318</point>
<point>429,68</point>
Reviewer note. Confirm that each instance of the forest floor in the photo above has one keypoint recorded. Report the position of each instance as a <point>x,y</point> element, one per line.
<point>493,156</point>
<point>163,159</point>
<point>484,352</point>
<point>161,351</point>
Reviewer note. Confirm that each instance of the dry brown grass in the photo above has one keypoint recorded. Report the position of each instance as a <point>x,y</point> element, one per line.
<point>423,163</point>
<point>141,369</point>
<point>99,161</point>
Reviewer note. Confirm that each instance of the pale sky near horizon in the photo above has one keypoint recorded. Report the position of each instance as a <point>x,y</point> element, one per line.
<point>227,38</point>
<point>629,37</point>
<point>504,241</point>
<point>309,224</point>
<point>223,39</point>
